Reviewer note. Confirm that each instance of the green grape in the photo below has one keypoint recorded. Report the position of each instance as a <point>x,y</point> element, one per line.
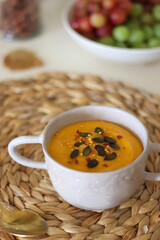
<point>147,18</point>
<point>156,29</point>
<point>154,42</point>
<point>121,45</point>
<point>156,12</point>
<point>137,36</point>
<point>121,33</point>
<point>137,10</point>
<point>133,24</point>
<point>106,40</point>
<point>142,45</point>
<point>148,31</point>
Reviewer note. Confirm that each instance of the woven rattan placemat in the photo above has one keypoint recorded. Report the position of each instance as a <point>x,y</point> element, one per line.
<point>26,106</point>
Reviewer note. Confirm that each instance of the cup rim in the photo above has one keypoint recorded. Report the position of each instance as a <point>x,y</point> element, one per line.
<point>46,129</point>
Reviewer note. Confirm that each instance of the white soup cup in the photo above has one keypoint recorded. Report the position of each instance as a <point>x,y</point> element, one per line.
<point>91,190</point>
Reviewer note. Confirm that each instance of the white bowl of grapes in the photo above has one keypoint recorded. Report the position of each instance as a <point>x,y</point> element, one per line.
<point>125,31</point>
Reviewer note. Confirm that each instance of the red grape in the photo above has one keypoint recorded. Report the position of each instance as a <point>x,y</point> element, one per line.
<point>98,19</point>
<point>125,5</point>
<point>117,16</point>
<point>81,4</point>
<point>89,35</point>
<point>109,4</point>
<point>80,8</point>
<point>105,31</point>
<point>80,13</point>
<point>84,24</point>
<point>93,7</point>
<point>75,24</point>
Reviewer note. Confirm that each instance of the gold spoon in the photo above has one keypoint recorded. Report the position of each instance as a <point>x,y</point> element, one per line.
<point>22,223</point>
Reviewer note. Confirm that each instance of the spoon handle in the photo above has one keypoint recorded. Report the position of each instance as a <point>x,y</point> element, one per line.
<point>11,216</point>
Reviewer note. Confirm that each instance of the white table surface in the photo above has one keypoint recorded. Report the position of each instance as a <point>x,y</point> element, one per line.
<point>60,53</point>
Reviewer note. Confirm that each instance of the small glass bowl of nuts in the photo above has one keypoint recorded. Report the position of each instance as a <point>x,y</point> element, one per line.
<point>19,19</point>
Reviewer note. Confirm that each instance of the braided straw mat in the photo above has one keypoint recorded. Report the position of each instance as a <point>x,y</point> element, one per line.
<point>26,106</point>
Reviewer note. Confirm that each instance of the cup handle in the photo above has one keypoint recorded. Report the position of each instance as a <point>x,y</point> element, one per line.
<point>154,147</point>
<point>21,159</point>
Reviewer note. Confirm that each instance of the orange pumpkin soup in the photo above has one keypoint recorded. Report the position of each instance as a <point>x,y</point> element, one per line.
<point>94,146</point>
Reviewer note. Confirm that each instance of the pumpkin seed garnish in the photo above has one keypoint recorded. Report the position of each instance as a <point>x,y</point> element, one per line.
<point>86,151</point>
<point>85,134</point>
<point>109,157</point>
<point>74,153</point>
<point>92,163</point>
<point>101,150</point>
<point>98,140</point>
<point>115,146</point>
<point>77,144</point>
<point>99,130</point>
<point>109,140</point>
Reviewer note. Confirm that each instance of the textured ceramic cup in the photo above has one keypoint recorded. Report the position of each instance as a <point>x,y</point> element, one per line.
<point>91,191</point>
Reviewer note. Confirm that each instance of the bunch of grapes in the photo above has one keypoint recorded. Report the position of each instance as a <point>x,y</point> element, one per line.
<point>96,18</point>
<point>121,23</point>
